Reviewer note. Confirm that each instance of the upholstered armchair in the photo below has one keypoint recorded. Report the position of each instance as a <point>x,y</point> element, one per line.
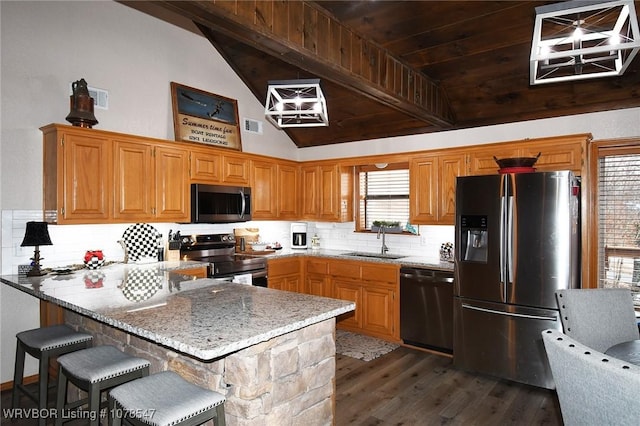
<point>598,318</point>
<point>593,388</point>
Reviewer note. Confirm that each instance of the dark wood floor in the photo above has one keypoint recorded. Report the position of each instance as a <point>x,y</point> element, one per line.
<point>411,387</point>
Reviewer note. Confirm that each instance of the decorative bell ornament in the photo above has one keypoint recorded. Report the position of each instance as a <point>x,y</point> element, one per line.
<point>81,114</point>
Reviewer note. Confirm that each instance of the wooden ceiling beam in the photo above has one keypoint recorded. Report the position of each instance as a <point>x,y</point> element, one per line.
<point>307,36</point>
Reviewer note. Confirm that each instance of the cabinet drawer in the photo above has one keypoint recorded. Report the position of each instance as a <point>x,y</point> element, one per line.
<point>344,269</point>
<point>284,267</point>
<point>317,266</point>
<point>372,272</point>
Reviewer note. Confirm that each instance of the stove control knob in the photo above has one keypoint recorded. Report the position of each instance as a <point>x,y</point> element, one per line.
<point>186,240</point>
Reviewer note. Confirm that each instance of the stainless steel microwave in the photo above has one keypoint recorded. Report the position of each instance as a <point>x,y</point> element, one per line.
<point>220,204</point>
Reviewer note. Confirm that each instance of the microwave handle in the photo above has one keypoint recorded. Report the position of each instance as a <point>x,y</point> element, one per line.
<point>244,203</point>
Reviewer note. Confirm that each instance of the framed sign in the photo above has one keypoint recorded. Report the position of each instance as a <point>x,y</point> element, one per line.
<point>205,118</point>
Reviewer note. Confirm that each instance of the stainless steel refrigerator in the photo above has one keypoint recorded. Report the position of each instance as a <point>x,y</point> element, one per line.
<point>517,242</point>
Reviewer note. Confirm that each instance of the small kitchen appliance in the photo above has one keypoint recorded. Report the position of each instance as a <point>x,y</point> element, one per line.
<point>298,235</point>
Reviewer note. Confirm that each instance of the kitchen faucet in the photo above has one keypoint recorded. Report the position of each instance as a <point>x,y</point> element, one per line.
<point>384,249</point>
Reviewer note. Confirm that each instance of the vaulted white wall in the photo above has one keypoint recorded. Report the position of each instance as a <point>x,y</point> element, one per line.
<point>48,45</point>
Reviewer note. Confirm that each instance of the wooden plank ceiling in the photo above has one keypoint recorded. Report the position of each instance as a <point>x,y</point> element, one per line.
<point>392,68</point>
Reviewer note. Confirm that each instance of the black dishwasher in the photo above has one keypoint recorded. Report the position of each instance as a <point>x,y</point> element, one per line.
<point>426,308</point>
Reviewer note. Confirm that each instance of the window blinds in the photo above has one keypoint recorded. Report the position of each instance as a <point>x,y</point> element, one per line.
<point>619,220</point>
<point>384,196</point>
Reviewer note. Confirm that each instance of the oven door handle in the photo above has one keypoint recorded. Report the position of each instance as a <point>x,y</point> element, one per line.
<point>259,274</point>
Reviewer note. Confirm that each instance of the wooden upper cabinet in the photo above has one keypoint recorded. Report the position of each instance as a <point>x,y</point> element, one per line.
<point>556,153</point>
<point>93,176</point>
<point>151,182</point>
<point>235,169</point>
<point>171,184</point>
<point>133,187</point>
<point>274,189</point>
<point>423,180</point>
<point>327,192</point>
<point>432,188</point>
<point>264,189</point>
<point>482,161</point>
<point>449,168</point>
<point>310,176</point>
<point>77,175</point>
<point>288,190</point>
<point>210,165</point>
<point>205,166</point>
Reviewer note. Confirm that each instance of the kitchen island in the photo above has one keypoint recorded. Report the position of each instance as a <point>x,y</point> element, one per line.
<point>270,352</point>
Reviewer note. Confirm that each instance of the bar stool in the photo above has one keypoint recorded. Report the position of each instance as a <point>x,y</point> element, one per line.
<point>44,344</point>
<point>164,399</point>
<point>95,370</point>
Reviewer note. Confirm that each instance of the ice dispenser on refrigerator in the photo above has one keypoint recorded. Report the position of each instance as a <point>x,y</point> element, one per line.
<point>474,238</point>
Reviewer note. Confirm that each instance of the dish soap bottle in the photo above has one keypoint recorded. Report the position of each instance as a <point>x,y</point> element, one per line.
<point>315,242</point>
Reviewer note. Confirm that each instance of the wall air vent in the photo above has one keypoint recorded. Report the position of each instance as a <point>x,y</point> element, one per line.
<point>252,126</point>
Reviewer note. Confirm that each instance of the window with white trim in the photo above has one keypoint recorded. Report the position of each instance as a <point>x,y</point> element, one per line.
<point>383,195</point>
<point>619,218</point>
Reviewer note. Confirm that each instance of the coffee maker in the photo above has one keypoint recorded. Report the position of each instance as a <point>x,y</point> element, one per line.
<point>298,235</point>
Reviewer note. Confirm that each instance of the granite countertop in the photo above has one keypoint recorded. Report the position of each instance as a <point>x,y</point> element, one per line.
<point>403,260</point>
<point>206,318</point>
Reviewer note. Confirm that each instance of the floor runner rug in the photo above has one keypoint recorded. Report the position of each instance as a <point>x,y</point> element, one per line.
<point>360,346</point>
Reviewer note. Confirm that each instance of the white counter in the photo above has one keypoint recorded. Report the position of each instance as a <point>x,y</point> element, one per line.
<point>205,318</point>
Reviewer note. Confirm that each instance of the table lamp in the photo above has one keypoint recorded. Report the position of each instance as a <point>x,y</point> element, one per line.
<point>36,235</point>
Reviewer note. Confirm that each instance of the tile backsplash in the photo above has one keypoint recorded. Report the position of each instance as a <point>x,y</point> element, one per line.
<point>70,242</point>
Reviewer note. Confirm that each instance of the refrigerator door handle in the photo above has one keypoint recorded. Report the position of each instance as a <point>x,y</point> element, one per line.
<point>510,314</point>
<point>502,238</point>
<point>509,242</point>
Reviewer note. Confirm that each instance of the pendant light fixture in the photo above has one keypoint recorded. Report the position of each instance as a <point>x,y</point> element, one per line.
<point>576,40</point>
<point>296,103</point>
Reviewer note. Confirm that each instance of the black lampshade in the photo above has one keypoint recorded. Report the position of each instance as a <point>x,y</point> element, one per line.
<point>37,234</point>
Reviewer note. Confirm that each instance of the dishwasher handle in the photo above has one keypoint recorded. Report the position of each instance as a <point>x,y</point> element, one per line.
<point>426,276</point>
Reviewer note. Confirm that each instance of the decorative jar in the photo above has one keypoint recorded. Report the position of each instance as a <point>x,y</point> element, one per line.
<point>93,259</point>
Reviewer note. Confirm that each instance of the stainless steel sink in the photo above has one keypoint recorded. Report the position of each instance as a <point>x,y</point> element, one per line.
<point>374,255</point>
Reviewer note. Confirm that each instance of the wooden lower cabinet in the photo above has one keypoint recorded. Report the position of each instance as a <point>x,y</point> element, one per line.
<point>374,288</point>
<point>317,280</point>
<point>318,285</point>
<point>352,291</point>
<point>378,310</point>
<point>285,274</point>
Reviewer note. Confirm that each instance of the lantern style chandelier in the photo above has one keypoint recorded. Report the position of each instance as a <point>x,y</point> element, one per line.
<point>296,103</point>
<point>576,40</point>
